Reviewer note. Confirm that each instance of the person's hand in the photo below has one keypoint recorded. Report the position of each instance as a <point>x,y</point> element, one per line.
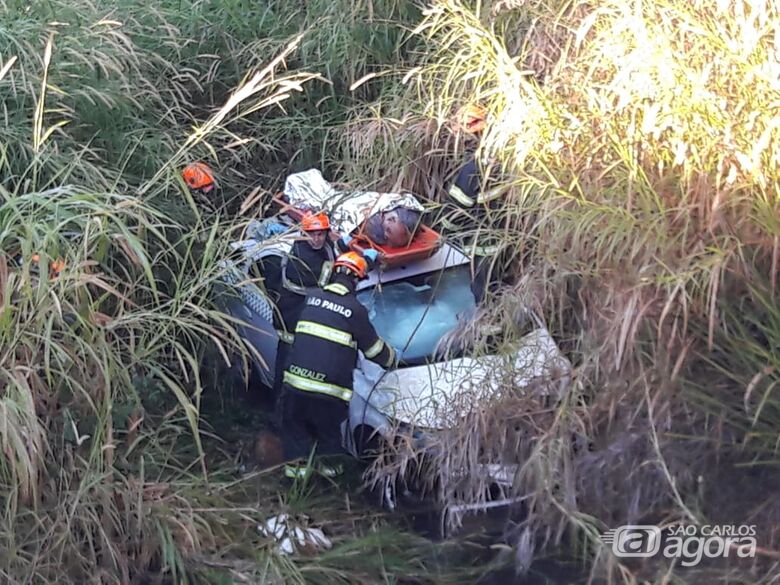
<point>346,240</point>
<point>371,255</point>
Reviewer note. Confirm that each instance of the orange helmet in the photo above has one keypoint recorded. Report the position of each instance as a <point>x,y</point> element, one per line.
<point>315,223</point>
<point>55,267</point>
<point>198,175</point>
<point>353,262</point>
<point>471,118</point>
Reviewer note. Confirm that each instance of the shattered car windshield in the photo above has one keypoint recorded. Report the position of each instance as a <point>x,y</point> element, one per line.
<point>413,315</point>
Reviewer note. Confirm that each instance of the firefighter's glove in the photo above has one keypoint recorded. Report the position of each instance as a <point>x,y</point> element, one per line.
<point>274,229</point>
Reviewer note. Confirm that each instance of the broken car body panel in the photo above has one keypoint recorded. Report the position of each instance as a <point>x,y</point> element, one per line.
<point>423,396</point>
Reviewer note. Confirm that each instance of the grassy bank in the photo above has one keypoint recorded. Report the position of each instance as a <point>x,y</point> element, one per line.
<point>110,474</point>
<point>639,141</point>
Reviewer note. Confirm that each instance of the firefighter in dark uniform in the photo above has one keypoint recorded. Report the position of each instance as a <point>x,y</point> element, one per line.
<point>306,267</point>
<point>471,215</point>
<point>317,388</point>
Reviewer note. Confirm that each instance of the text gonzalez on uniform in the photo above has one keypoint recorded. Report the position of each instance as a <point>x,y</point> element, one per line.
<point>311,375</point>
<point>325,304</point>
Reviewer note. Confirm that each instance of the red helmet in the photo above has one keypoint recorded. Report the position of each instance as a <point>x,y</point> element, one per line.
<point>198,175</point>
<point>315,223</point>
<point>353,262</point>
<point>471,118</point>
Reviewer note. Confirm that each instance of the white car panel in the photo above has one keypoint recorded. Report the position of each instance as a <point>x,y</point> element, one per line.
<point>434,396</point>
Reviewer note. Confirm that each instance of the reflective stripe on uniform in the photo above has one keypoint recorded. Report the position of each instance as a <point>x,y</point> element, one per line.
<point>337,288</point>
<point>330,470</point>
<point>485,250</point>
<point>302,471</point>
<point>492,194</point>
<point>292,287</point>
<point>448,225</point>
<point>327,268</point>
<point>469,246</point>
<point>458,195</point>
<point>287,283</point>
<point>375,349</point>
<point>296,471</point>
<point>325,332</point>
<point>309,385</point>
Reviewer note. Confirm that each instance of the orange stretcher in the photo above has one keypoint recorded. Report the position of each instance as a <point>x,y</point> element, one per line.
<point>424,244</point>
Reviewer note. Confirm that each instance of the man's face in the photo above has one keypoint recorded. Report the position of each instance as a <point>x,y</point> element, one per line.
<point>396,233</point>
<point>317,238</point>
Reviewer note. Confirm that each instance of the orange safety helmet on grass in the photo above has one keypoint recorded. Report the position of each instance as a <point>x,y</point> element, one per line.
<point>354,262</point>
<point>198,175</point>
<point>315,223</point>
<point>471,118</point>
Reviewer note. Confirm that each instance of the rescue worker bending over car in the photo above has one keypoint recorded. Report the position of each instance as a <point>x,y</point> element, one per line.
<point>472,215</point>
<point>307,266</point>
<point>317,389</point>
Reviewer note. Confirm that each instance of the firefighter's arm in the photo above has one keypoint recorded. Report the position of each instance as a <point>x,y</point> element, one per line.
<point>380,352</point>
<point>466,186</point>
<point>374,347</point>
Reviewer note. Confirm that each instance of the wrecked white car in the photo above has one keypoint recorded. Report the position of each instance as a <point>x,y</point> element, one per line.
<point>418,308</point>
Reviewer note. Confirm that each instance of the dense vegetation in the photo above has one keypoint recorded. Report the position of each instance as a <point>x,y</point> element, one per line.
<point>640,141</point>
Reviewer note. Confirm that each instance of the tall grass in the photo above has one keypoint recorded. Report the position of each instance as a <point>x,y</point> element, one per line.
<point>640,142</point>
<point>86,352</point>
<point>131,81</point>
<point>110,473</point>
<point>106,300</point>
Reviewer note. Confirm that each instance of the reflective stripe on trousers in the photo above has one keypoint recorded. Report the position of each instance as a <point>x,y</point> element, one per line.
<point>301,471</point>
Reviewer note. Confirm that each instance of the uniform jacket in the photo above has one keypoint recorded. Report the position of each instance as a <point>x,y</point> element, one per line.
<point>470,213</point>
<point>332,327</point>
<point>303,269</point>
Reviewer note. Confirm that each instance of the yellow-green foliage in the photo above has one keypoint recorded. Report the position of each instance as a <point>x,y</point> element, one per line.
<point>640,140</point>
<point>108,267</point>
